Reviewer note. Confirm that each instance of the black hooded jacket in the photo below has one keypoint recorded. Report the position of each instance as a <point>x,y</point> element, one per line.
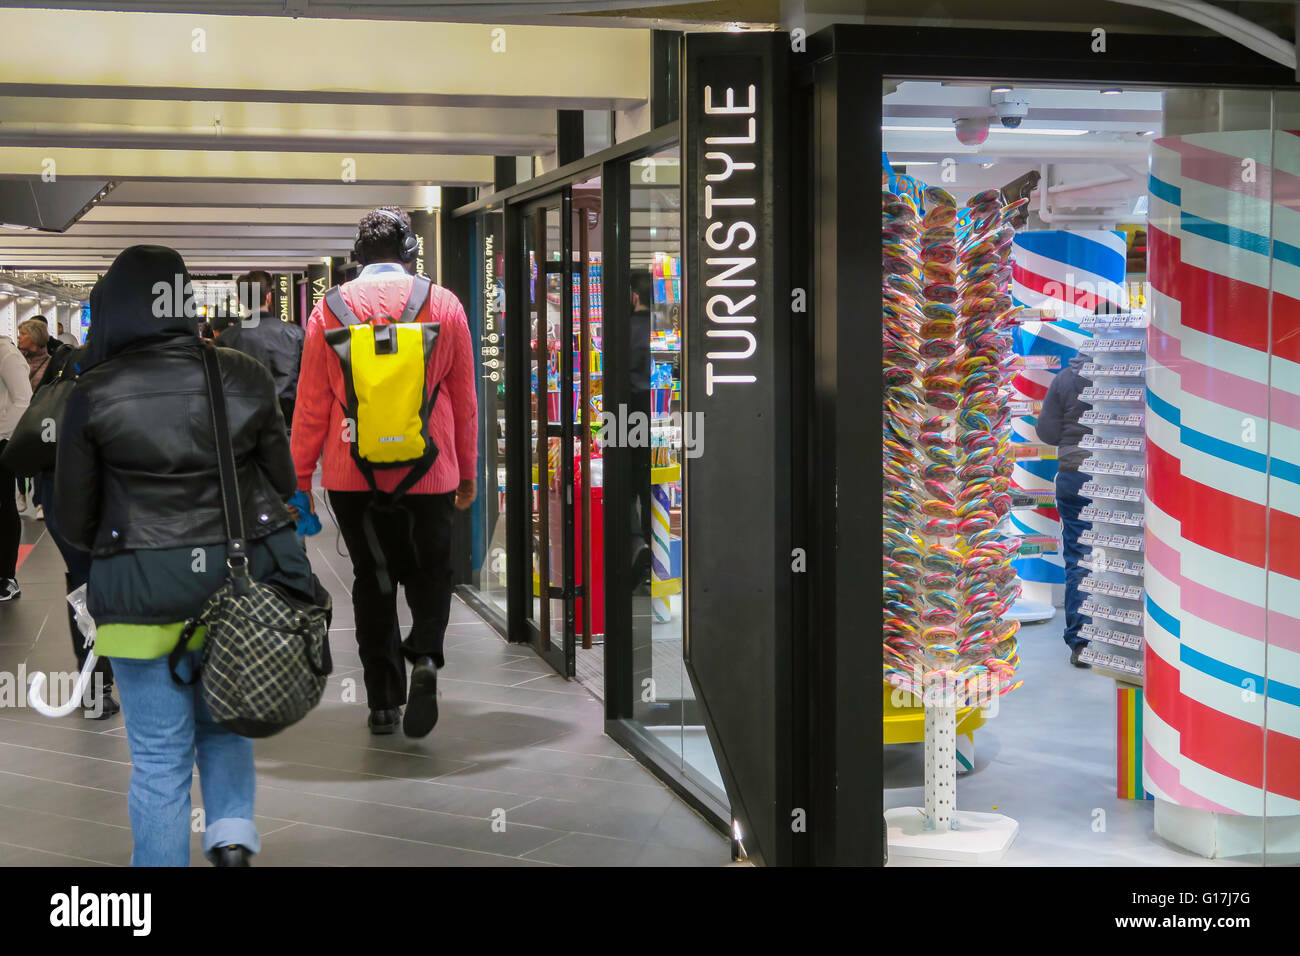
<point>1058,422</point>
<point>136,463</point>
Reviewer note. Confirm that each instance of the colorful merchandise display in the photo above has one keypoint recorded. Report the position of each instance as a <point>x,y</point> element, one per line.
<point>947,450</point>
<point>1116,366</point>
<point>1128,743</point>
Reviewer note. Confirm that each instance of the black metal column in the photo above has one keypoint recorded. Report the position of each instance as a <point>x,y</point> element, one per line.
<point>846,734</point>
<point>570,141</point>
<point>737,373</point>
<point>455,258</point>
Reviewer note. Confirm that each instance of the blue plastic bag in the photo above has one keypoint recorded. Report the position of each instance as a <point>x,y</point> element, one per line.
<point>308,523</point>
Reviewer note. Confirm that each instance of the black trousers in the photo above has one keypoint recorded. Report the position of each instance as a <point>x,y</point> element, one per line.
<point>11,526</point>
<point>415,539</point>
<point>77,565</point>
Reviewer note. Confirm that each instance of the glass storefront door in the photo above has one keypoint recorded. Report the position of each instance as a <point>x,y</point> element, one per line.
<point>559,261</point>
<point>546,241</point>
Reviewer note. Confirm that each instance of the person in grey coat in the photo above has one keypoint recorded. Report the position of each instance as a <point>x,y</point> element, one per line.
<point>1058,424</point>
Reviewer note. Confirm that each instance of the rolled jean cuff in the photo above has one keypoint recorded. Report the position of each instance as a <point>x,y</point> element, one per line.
<point>228,831</point>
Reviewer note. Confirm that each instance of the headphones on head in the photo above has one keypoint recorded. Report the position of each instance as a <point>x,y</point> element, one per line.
<point>410,243</point>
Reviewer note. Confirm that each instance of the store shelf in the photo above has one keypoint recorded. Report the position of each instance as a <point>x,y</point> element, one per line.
<point>1130,493</point>
<point>1115,566</point>
<point>1123,542</point>
<point>1113,419</point>
<point>1127,592</point>
<point>1122,615</point>
<point>1112,394</point>
<point>1132,519</point>
<point>1092,370</point>
<point>1106,635</point>
<point>1122,320</point>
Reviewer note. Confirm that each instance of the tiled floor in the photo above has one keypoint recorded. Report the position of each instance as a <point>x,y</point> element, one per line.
<point>514,742</point>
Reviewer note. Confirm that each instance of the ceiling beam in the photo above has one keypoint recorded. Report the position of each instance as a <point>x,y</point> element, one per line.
<point>231,166</point>
<point>320,197</point>
<point>270,59</point>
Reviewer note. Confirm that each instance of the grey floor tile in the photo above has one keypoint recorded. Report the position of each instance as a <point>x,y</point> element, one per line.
<point>512,736</point>
<point>583,849</point>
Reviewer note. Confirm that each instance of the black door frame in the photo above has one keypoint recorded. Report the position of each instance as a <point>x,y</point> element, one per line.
<point>541,633</point>
<point>845,68</point>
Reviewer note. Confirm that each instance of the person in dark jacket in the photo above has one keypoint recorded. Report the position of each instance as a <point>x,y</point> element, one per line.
<point>1058,424</point>
<point>137,486</point>
<point>99,703</point>
<point>276,344</point>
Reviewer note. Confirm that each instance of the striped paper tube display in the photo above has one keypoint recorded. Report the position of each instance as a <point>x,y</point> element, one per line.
<point>1128,743</point>
<point>1222,624</point>
<point>1071,274</point>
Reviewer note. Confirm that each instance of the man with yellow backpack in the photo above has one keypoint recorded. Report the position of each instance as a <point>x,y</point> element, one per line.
<point>387,395</point>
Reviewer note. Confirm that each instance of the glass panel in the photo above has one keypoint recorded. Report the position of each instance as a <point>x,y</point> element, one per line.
<point>1282,610</point>
<point>663,699</point>
<point>490,320</point>
<point>588,376</point>
<point>551,420</point>
<point>530,264</point>
<point>1145,480</point>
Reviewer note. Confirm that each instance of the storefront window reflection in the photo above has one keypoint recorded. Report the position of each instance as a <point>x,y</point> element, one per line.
<point>663,699</point>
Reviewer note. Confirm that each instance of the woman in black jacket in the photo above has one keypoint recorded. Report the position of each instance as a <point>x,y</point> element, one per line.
<point>137,487</point>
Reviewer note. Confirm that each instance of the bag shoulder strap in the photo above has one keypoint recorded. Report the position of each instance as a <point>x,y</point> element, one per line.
<point>421,286</point>
<point>225,458</point>
<point>340,309</point>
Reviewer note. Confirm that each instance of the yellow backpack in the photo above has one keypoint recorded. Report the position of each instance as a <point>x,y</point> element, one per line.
<point>384,376</point>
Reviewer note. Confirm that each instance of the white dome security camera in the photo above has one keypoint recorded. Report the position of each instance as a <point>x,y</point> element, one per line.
<point>972,130</point>
<point>1011,107</point>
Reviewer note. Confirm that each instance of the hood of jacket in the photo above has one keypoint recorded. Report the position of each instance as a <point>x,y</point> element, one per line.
<point>144,298</point>
<point>1078,361</point>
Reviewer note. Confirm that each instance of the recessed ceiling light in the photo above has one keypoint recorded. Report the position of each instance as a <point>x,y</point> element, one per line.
<point>1147,132</point>
<point>986,165</point>
<point>1001,89</point>
<point>1112,91</point>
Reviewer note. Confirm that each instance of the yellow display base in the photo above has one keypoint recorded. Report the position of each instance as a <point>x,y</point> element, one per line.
<point>665,474</point>
<point>665,588</point>
<point>906,725</point>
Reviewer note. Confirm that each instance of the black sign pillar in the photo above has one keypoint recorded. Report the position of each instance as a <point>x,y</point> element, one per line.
<point>318,283</point>
<point>284,305</point>
<point>739,576</point>
<point>425,227</point>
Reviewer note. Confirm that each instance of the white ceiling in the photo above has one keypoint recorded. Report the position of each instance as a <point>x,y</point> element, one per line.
<point>1093,176</point>
<point>260,141</point>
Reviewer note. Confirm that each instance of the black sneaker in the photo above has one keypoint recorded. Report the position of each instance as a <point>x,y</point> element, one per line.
<point>231,855</point>
<point>9,590</point>
<point>422,704</point>
<point>1074,656</point>
<point>110,708</point>
<point>384,720</point>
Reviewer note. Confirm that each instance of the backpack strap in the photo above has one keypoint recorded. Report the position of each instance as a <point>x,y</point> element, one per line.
<point>421,286</point>
<point>340,308</point>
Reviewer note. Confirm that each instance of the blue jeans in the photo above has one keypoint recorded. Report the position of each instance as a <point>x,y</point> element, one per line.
<point>1068,504</point>
<point>166,726</point>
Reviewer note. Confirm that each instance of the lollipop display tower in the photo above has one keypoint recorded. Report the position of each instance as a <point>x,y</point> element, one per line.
<point>948,459</point>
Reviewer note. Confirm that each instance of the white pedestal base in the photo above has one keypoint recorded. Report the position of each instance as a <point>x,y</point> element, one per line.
<point>1029,612</point>
<point>976,838</point>
<point>1218,835</point>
